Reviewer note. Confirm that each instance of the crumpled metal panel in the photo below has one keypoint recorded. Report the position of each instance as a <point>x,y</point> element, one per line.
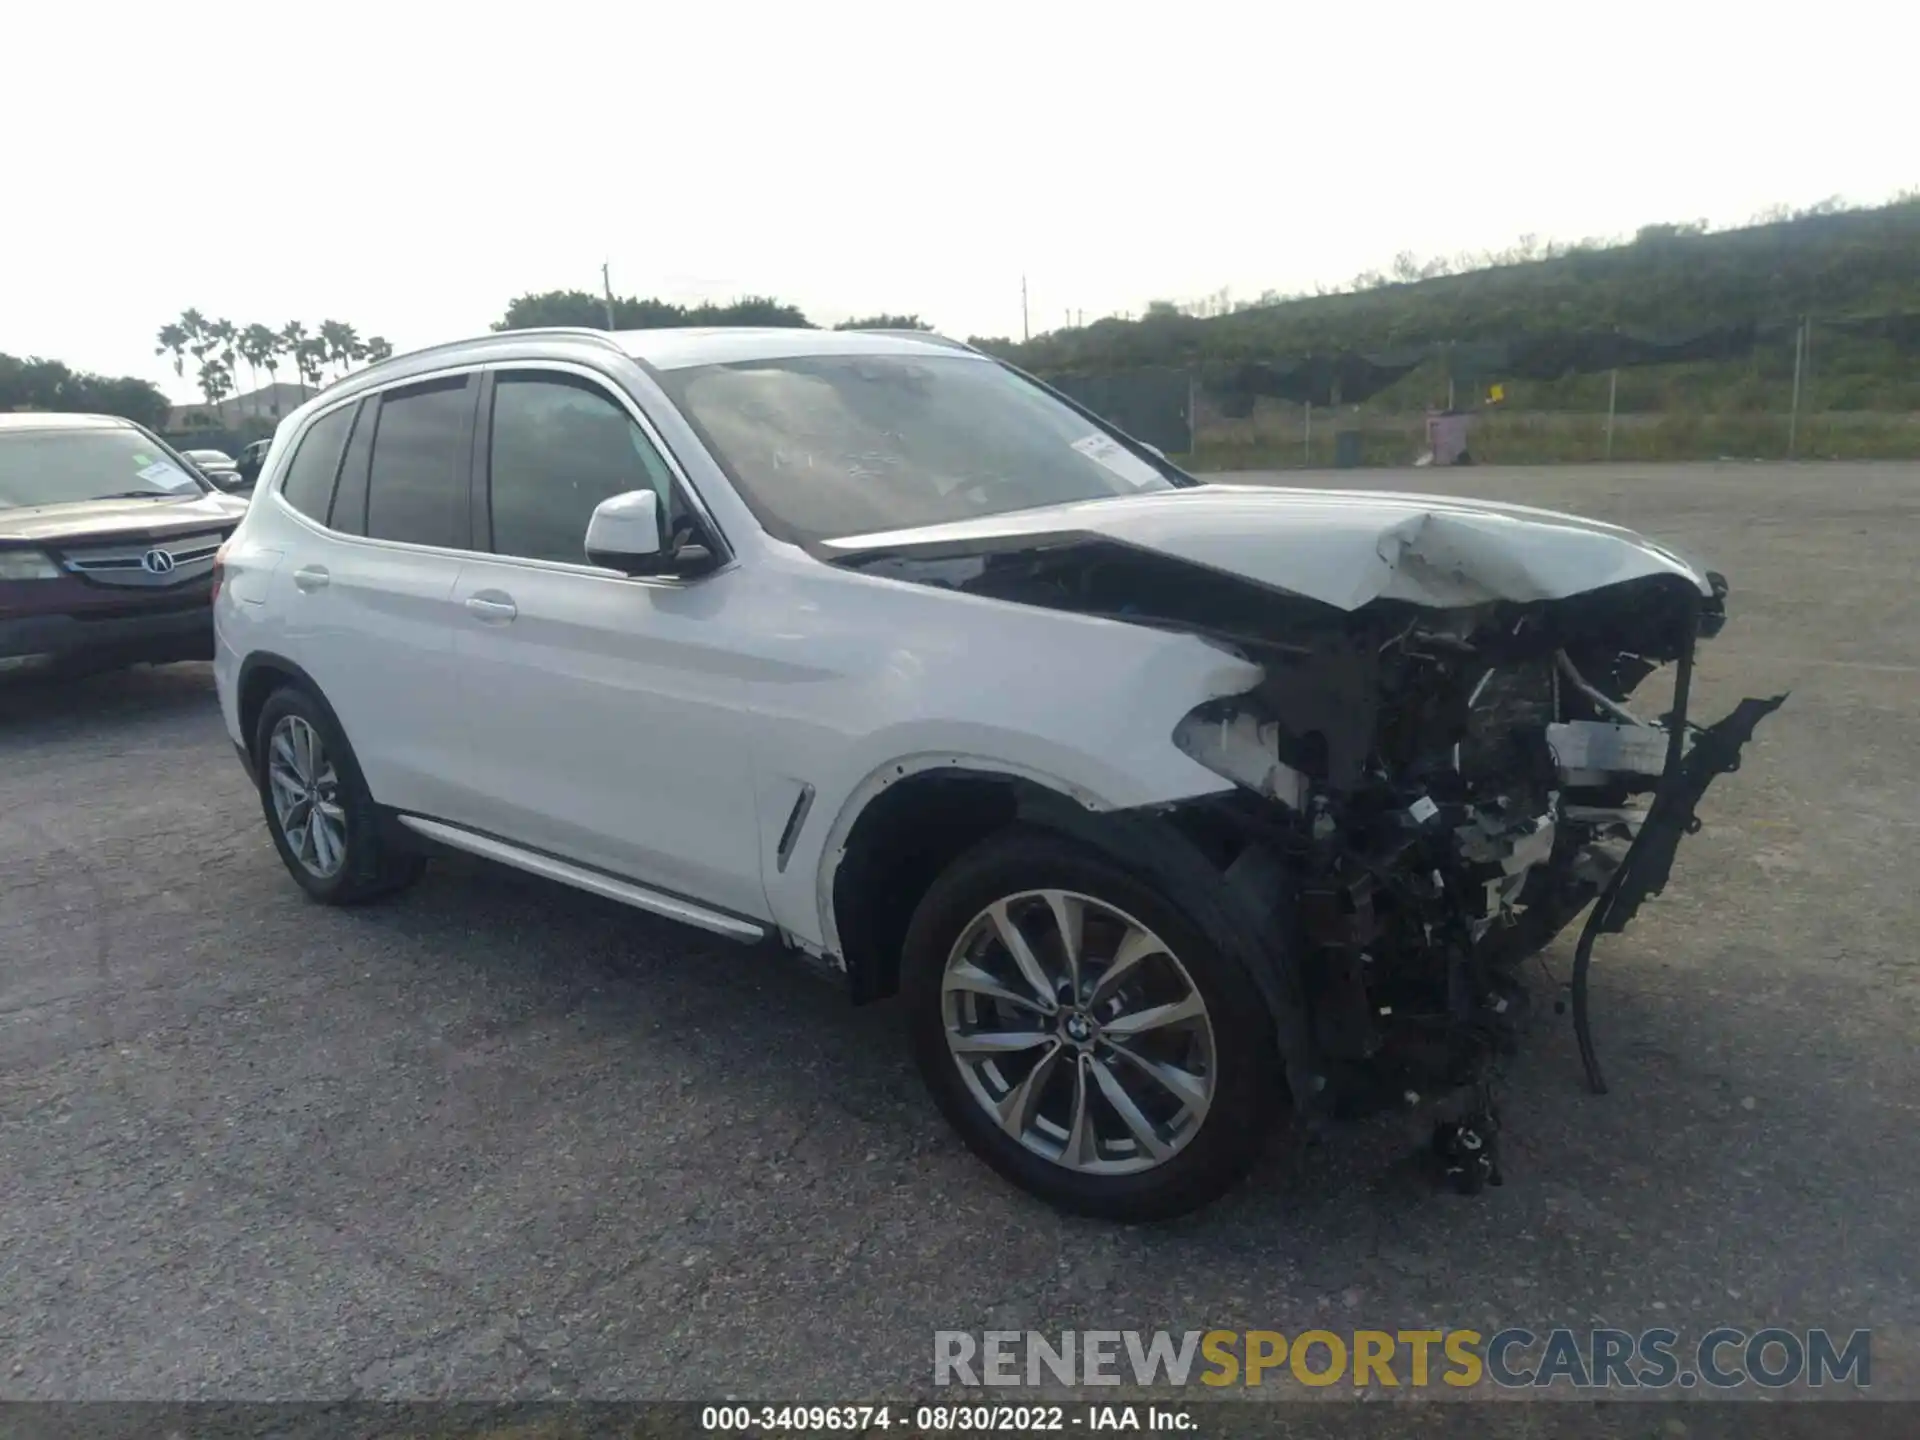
<point>1343,548</point>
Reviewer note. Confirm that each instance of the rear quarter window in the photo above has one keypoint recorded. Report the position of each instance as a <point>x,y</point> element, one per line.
<point>315,466</point>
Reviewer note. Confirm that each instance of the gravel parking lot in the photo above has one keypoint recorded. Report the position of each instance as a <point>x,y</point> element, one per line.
<point>499,1138</point>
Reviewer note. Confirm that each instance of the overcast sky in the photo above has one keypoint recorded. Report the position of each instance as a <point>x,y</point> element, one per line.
<point>409,166</point>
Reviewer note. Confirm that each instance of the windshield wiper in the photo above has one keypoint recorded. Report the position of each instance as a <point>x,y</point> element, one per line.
<point>143,495</point>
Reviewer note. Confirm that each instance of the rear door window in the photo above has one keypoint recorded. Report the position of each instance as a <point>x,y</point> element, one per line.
<point>417,476</point>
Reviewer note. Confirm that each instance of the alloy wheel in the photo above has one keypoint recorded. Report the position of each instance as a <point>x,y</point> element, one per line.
<point>305,789</point>
<point>1079,1032</point>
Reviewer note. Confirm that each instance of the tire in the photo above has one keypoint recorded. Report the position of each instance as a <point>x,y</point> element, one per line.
<point>954,936</point>
<point>361,864</point>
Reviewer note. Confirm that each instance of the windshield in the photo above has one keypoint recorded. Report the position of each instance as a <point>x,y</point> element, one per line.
<point>62,467</point>
<point>828,446</point>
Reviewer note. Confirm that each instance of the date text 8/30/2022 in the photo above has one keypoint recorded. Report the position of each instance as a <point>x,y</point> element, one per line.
<point>936,1419</point>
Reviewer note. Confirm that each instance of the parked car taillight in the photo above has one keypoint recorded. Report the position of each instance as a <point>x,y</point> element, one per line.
<point>219,568</point>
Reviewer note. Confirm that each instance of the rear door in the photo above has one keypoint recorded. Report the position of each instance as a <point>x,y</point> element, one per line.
<point>367,591</point>
<point>607,714</point>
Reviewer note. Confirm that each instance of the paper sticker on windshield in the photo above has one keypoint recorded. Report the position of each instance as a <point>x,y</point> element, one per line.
<point>168,476</point>
<point>1105,451</point>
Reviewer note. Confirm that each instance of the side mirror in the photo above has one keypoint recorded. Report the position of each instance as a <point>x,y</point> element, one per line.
<point>624,533</point>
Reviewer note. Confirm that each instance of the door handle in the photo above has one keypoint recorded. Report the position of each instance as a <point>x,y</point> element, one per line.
<point>492,606</point>
<point>310,578</point>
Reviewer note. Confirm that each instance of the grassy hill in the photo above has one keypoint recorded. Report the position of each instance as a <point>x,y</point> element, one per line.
<point>1859,392</point>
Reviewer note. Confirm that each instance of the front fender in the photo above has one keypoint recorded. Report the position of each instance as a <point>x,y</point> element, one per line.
<point>1087,713</point>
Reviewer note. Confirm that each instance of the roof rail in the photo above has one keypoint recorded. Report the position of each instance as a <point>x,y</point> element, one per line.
<point>603,337</point>
<point>576,332</point>
<point>929,336</point>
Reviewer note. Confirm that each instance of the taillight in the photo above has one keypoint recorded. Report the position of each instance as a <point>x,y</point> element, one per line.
<point>219,568</point>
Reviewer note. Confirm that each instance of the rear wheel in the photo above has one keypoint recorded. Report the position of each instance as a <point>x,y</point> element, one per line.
<point>1084,1034</point>
<point>318,809</point>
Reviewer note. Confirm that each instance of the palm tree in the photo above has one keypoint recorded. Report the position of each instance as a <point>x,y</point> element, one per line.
<point>222,335</point>
<point>342,344</point>
<point>173,341</point>
<point>216,383</point>
<point>270,362</point>
<point>194,324</point>
<point>258,346</point>
<point>310,354</point>
<point>378,348</point>
<point>293,343</point>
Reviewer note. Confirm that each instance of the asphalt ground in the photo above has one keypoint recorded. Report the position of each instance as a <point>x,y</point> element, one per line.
<point>501,1139</point>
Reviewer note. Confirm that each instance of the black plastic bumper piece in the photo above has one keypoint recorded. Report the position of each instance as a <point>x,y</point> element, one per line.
<point>154,637</point>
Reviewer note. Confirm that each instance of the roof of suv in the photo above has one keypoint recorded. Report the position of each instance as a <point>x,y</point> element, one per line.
<point>50,420</point>
<point>676,349</point>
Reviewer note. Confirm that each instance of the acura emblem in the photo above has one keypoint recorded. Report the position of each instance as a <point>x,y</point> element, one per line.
<point>157,562</point>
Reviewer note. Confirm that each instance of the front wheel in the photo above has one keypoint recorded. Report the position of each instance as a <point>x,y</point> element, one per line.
<point>1084,1034</point>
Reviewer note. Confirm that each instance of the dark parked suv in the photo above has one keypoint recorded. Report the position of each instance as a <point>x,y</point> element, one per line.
<point>107,544</point>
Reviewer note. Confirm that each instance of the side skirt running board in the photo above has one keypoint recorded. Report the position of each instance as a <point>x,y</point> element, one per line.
<point>626,892</point>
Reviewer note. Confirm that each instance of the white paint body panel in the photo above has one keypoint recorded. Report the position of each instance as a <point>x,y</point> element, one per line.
<point>905,678</point>
<point>377,638</point>
<point>604,722</point>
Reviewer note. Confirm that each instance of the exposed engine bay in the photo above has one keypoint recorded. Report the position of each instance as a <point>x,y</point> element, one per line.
<point>1444,789</point>
<point>1453,788</point>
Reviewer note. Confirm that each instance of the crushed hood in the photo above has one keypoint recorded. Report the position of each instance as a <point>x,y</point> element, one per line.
<point>1343,548</point>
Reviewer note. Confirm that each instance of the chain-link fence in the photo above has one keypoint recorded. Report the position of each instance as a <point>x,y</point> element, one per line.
<point>1803,388</point>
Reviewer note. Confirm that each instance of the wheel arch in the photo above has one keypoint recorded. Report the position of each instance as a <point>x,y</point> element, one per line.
<point>899,829</point>
<point>913,818</point>
<point>262,673</point>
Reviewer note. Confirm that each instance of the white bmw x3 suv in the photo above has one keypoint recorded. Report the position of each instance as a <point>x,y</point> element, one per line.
<point>1168,808</point>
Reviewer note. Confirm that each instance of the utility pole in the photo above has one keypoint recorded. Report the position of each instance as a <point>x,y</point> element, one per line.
<point>606,287</point>
<point>1613,394</point>
<point>1793,415</point>
<point>1026,333</point>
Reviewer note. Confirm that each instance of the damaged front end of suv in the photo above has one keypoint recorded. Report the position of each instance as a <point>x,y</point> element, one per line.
<point>1450,789</point>
<point>1448,758</point>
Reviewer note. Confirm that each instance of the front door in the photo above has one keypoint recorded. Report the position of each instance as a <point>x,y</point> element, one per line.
<point>603,715</point>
